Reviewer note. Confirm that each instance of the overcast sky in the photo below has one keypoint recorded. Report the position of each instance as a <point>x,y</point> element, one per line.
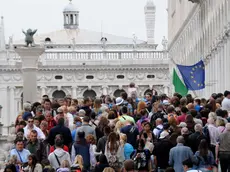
<point>120,17</point>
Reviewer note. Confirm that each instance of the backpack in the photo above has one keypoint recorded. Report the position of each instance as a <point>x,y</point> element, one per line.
<point>113,160</point>
<point>206,134</point>
<point>160,131</point>
<point>140,162</point>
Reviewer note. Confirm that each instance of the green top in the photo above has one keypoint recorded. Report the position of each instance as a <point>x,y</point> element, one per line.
<point>124,118</point>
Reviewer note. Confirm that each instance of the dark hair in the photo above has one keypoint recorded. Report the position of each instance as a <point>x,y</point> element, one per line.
<point>47,100</point>
<point>11,167</point>
<point>219,112</point>
<point>107,130</point>
<point>103,159</point>
<point>203,148</point>
<point>124,95</point>
<point>59,143</point>
<point>193,112</point>
<point>124,110</point>
<point>21,130</point>
<point>142,142</point>
<point>86,99</point>
<point>61,121</point>
<point>18,140</point>
<point>81,134</point>
<point>198,101</point>
<point>129,165</point>
<point>188,163</point>
<point>219,95</point>
<point>149,94</point>
<point>170,109</point>
<point>34,161</point>
<point>184,109</point>
<point>86,119</point>
<point>112,115</point>
<point>169,169</point>
<point>92,115</point>
<point>34,132</point>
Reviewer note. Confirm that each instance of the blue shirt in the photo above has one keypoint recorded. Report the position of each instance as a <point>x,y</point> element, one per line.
<point>22,156</point>
<point>128,149</point>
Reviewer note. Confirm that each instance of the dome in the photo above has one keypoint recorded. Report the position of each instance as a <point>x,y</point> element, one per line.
<point>70,8</point>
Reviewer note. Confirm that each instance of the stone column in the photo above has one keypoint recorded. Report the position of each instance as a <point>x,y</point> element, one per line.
<point>29,57</point>
<point>166,90</point>
<point>105,90</point>
<point>74,92</point>
<point>4,113</point>
<point>12,106</point>
<point>43,90</point>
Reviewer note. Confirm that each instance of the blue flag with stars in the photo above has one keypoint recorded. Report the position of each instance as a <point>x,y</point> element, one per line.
<point>193,76</point>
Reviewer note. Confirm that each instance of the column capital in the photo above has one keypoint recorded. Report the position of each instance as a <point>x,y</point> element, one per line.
<point>43,87</point>
<point>74,87</point>
<point>11,87</point>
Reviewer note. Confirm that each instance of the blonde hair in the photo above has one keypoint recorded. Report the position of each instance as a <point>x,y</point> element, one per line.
<point>71,109</point>
<point>108,169</point>
<point>79,160</point>
<point>65,164</point>
<point>118,126</point>
<point>13,159</point>
<point>220,122</point>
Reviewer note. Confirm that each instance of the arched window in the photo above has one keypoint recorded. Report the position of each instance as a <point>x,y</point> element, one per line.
<point>89,93</point>
<point>47,39</point>
<point>71,18</point>
<point>117,93</point>
<point>150,76</point>
<point>58,94</point>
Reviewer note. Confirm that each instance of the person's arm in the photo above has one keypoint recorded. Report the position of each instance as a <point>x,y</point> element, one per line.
<point>217,153</point>
<point>44,151</point>
<point>171,158</point>
<point>41,135</point>
<point>73,154</point>
<point>69,137</point>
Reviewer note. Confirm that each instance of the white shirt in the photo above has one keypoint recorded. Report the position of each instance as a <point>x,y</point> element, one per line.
<point>157,130</point>
<point>39,131</point>
<point>213,133</point>
<point>226,104</point>
<point>69,116</point>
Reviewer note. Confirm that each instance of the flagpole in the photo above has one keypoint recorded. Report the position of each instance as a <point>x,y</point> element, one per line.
<point>194,92</point>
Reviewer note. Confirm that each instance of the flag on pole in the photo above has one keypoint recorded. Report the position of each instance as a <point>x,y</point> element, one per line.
<point>179,85</point>
<point>193,76</point>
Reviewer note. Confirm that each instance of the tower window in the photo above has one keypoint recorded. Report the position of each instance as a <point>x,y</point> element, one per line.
<point>48,40</point>
<point>71,19</point>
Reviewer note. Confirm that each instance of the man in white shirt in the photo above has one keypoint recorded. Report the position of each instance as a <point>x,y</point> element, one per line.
<point>226,102</point>
<point>159,127</point>
<point>30,126</point>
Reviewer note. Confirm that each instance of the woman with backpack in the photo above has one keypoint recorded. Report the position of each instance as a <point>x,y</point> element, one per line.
<point>204,157</point>
<point>114,152</point>
<point>141,157</point>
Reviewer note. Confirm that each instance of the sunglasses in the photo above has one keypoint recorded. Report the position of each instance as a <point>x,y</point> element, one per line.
<point>30,121</point>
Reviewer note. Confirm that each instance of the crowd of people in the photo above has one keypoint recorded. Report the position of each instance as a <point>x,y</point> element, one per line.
<point>127,133</point>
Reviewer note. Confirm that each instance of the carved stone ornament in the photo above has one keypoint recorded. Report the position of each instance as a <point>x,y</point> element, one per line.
<point>100,75</point>
<point>140,76</point>
<point>39,77</point>
<point>79,76</point>
<point>110,76</point>
<point>68,76</point>
<point>130,76</point>
<point>160,75</point>
<point>6,78</point>
<point>17,77</point>
<point>48,77</point>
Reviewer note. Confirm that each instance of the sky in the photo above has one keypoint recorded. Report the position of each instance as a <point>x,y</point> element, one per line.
<point>118,17</point>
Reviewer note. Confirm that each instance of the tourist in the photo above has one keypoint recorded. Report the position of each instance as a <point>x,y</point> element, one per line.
<point>36,146</point>
<point>33,164</point>
<point>21,153</point>
<point>102,141</point>
<point>178,154</point>
<point>30,126</point>
<point>102,164</point>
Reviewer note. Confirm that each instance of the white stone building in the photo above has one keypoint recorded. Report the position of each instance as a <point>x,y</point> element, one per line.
<point>80,63</point>
<point>200,29</point>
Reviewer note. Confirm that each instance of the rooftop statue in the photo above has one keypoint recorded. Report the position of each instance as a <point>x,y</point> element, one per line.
<point>29,40</point>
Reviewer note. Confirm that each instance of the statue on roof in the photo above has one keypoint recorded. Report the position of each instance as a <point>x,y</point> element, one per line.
<point>29,40</point>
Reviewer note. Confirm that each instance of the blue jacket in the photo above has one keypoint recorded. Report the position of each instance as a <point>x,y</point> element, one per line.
<point>178,154</point>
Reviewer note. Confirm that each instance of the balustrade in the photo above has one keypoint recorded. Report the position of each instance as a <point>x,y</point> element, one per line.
<point>95,56</point>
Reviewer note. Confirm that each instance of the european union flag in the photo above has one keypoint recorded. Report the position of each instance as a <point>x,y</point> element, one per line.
<point>193,76</point>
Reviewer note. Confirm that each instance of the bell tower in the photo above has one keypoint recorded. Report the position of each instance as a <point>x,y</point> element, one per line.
<point>150,14</point>
<point>71,16</point>
<point>2,35</point>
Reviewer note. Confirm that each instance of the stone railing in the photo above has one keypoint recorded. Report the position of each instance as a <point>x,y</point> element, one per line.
<point>107,57</point>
